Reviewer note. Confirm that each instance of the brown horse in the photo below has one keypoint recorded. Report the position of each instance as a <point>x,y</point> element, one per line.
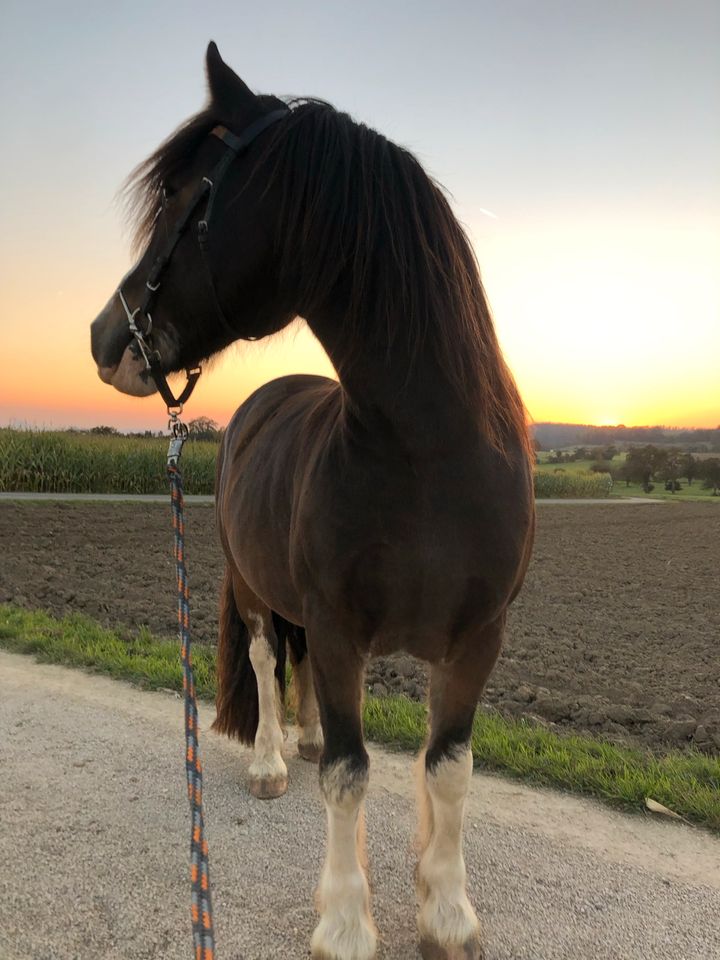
<point>391,510</point>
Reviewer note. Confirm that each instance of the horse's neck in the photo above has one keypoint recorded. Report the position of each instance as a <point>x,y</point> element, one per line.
<point>391,393</point>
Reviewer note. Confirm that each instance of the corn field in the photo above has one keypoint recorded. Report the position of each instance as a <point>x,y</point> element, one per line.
<point>48,462</point>
<point>569,485</point>
<point>54,462</point>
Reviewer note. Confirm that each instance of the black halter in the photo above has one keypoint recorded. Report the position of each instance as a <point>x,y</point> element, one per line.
<point>208,187</point>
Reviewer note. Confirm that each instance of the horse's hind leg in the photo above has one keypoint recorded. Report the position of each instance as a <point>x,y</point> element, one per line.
<point>310,738</point>
<point>345,930</point>
<point>448,926</point>
<point>251,667</point>
<point>268,773</point>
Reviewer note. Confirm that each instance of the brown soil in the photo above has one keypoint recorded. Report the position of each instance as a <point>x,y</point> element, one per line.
<point>615,631</point>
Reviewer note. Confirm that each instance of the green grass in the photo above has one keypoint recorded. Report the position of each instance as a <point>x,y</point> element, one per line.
<point>52,462</point>
<point>686,494</point>
<point>78,641</point>
<point>687,782</point>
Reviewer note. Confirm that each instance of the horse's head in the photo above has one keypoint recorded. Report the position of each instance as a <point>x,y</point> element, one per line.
<point>205,224</point>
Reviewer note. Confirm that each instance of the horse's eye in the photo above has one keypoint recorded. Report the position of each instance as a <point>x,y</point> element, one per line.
<point>167,193</point>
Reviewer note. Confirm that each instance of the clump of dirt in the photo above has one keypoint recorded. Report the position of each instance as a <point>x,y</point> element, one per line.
<point>612,634</point>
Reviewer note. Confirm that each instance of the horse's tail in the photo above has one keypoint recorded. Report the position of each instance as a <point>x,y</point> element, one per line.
<point>237,693</point>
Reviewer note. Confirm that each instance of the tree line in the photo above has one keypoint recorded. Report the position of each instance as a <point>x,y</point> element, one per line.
<point>696,440</point>
<point>645,464</point>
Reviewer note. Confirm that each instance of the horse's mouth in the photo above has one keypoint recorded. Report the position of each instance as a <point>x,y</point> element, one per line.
<point>130,375</point>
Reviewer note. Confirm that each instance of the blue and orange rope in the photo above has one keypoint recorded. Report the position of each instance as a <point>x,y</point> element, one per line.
<point>201,903</point>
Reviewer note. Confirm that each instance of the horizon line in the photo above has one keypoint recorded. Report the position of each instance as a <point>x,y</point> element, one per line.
<point>41,428</point>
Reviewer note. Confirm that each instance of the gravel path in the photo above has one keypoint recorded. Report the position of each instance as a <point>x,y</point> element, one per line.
<point>94,845</point>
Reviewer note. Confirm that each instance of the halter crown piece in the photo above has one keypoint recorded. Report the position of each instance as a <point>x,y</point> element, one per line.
<point>235,144</point>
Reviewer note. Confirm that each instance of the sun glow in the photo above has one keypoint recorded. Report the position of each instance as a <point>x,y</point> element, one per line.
<point>596,327</point>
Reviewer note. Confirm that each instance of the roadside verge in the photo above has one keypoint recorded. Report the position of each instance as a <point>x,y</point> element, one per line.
<point>688,783</point>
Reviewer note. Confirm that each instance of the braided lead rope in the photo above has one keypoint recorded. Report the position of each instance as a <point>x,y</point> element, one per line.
<point>201,903</point>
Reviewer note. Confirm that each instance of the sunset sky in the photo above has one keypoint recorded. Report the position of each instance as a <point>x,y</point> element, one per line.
<point>580,143</point>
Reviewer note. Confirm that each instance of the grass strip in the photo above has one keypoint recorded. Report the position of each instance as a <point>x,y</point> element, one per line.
<point>686,782</point>
<point>78,641</point>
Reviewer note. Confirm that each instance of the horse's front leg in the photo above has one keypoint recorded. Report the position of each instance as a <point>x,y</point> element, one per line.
<point>448,926</point>
<point>346,930</point>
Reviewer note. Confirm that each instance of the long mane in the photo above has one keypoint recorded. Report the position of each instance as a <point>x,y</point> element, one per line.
<point>359,214</point>
<point>360,217</point>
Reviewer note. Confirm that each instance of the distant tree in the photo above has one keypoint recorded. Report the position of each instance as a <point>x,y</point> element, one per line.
<point>600,466</point>
<point>710,473</point>
<point>670,471</point>
<point>638,468</point>
<point>620,472</point>
<point>643,463</point>
<point>609,452</point>
<point>203,428</point>
<point>104,431</point>
<point>689,467</point>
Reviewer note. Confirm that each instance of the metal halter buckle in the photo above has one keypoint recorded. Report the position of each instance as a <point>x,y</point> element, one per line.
<point>178,435</point>
<point>135,330</point>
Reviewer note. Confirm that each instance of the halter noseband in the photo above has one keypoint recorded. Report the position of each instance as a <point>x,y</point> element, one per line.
<point>235,145</point>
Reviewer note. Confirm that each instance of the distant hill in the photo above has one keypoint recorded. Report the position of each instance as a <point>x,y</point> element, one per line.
<point>554,436</point>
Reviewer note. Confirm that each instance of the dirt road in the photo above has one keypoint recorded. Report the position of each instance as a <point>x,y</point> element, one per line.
<point>94,841</point>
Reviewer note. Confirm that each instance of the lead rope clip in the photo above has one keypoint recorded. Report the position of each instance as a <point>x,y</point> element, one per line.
<point>178,435</point>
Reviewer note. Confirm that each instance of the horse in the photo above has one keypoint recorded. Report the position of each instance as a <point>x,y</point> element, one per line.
<point>390,509</point>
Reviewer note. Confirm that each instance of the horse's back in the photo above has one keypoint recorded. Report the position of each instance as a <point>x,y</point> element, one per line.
<point>281,396</point>
<point>270,413</point>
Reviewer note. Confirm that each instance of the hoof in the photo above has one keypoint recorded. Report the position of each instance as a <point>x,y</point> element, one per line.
<point>310,751</point>
<point>268,788</point>
<point>470,950</point>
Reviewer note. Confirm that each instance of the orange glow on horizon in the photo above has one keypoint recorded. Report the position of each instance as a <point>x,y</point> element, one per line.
<point>589,337</point>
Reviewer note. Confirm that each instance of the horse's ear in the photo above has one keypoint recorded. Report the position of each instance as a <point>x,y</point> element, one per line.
<point>227,90</point>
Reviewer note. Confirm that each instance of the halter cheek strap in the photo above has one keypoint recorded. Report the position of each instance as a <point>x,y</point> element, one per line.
<point>235,145</point>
